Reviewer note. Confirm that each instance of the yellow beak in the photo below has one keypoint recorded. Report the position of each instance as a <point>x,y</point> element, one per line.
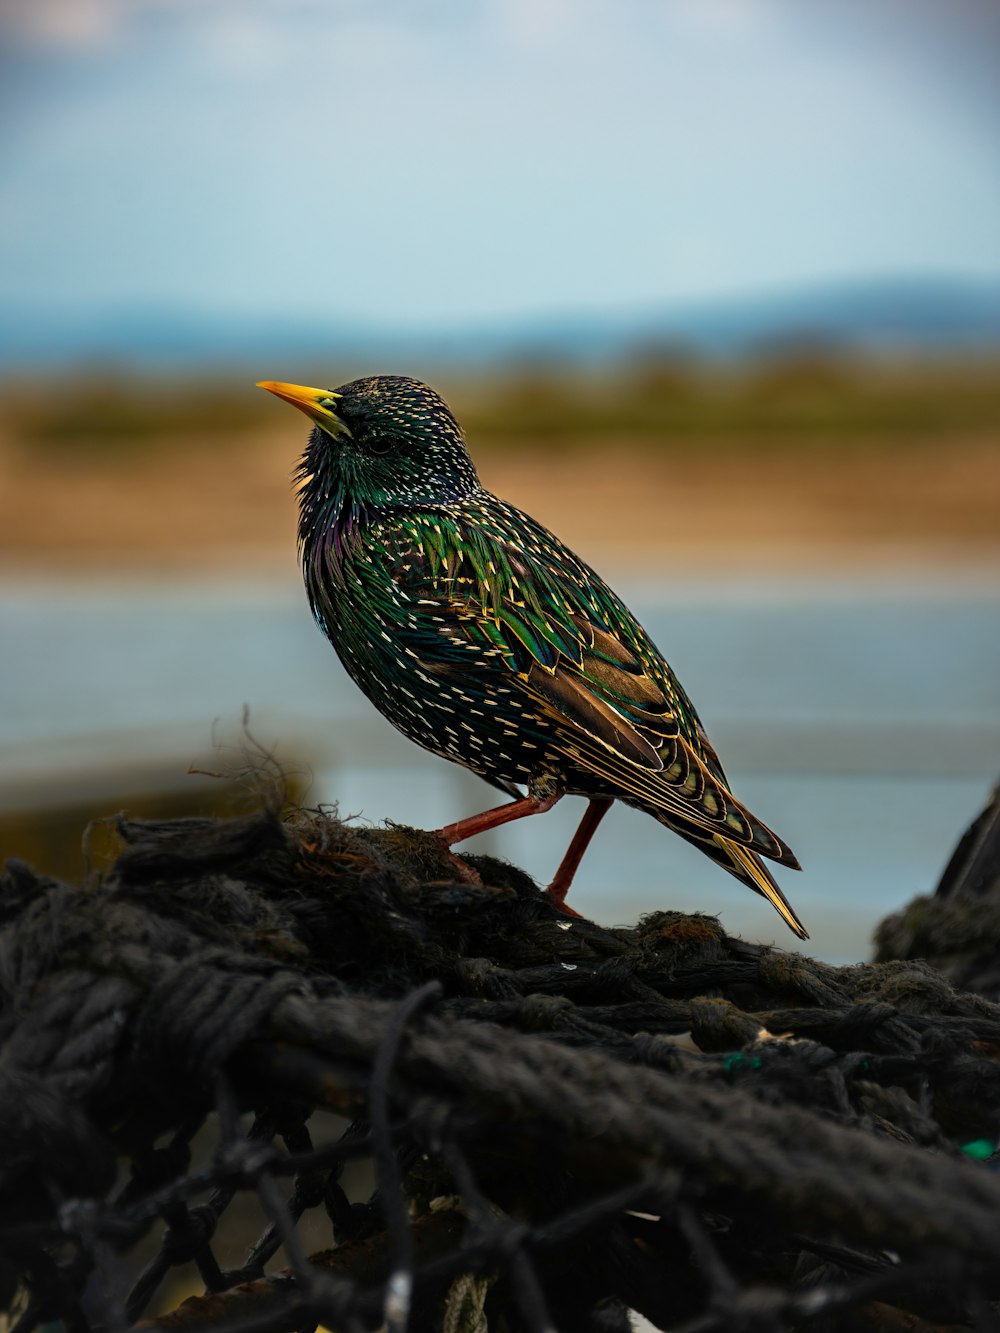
<point>316,403</point>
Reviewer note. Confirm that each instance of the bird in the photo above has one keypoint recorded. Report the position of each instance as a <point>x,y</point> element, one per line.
<point>486,640</point>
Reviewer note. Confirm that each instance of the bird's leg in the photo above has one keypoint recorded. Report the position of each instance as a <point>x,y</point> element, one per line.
<point>597,808</point>
<point>501,814</point>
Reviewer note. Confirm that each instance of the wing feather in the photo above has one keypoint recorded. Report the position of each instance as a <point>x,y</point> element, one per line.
<point>562,638</point>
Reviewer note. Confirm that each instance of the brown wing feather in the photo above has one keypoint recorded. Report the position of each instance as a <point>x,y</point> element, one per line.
<point>568,693</point>
<point>628,712</point>
<point>634,690</point>
<point>619,712</point>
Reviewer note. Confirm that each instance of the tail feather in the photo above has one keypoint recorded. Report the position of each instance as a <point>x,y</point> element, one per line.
<point>767,843</point>
<point>750,869</point>
<point>746,865</point>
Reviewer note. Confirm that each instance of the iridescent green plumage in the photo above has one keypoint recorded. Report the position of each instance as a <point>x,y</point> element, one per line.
<point>484,639</point>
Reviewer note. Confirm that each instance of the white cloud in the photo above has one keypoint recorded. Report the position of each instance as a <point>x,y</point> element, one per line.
<point>68,23</point>
<point>723,16</point>
<point>94,23</point>
<point>475,157</point>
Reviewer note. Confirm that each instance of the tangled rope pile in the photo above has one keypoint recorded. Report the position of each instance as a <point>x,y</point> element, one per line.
<point>958,928</point>
<point>550,1151</point>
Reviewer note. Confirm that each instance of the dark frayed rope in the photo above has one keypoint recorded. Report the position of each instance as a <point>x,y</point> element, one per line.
<point>400,1284</point>
<point>547,1153</point>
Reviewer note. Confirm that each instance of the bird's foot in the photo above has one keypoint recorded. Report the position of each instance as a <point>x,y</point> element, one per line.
<point>558,900</point>
<point>465,874</point>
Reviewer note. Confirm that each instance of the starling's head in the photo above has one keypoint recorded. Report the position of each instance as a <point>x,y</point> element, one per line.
<point>380,443</point>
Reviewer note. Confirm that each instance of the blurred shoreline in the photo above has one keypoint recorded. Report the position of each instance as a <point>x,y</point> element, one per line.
<point>802,464</point>
<point>194,506</point>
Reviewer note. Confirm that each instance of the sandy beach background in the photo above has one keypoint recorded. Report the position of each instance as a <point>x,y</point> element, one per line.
<point>896,470</point>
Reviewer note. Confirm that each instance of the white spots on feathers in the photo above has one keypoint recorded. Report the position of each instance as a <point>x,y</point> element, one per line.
<point>440,598</point>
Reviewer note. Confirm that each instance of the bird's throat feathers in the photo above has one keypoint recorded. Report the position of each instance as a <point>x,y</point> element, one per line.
<point>342,490</point>
<point>333,502</point>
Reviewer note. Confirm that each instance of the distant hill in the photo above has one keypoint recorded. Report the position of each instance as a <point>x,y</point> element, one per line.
<point>918,316</point>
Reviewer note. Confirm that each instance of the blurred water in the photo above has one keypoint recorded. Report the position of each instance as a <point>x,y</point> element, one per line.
<point>861,719</point>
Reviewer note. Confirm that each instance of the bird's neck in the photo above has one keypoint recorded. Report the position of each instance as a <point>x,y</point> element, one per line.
<point>333,516</point>
<point>329,520</point>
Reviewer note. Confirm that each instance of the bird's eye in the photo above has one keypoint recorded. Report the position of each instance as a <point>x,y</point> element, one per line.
<point>379,444</point>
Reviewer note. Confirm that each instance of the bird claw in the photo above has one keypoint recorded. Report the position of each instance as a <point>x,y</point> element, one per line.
<point>558,900</point>
<point>466,873</point>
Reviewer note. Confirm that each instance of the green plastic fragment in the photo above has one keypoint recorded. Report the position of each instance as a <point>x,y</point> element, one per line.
<point>979,1149</point>
<point>737,1060</point>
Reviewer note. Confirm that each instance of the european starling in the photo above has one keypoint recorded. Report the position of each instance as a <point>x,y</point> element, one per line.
<point>484,639</point>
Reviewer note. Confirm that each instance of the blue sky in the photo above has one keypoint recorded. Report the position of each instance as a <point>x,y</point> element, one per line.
<point>408,163</point>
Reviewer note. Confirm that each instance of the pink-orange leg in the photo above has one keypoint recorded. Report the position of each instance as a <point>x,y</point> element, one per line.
<point>558,889</point>
<point>597,808</point>
<point>501,814</point>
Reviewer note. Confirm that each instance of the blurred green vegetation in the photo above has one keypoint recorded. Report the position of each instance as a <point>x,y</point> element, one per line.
<point>112,412</point>
<point>659,398</point>
<point>75,836</point>
<point>807,398</point>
